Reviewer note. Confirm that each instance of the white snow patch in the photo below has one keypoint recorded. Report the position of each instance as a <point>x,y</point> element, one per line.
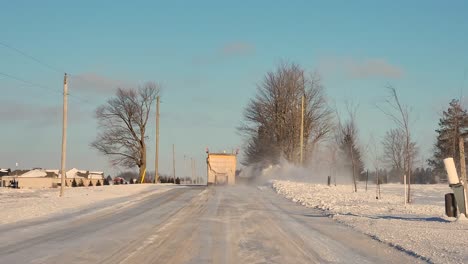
<point>26,204</point>
<point>34,173</point>
<point>420,228</point>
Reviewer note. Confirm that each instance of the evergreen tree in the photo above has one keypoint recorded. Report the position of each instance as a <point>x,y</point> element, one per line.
<point>81,184</point>
<point>452,125</point>
<point>74,184</point>
<point>90,183</point>
<point>98,183</point>
<point>351,156</point>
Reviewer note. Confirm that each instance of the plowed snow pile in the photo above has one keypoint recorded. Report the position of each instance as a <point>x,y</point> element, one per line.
<point>420,228</point>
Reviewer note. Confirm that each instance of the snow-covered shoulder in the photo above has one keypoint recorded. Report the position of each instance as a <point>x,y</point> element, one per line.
<point>25,204</point>
<point>420,228</point>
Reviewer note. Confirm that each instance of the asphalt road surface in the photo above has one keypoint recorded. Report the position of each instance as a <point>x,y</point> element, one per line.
<point>240,224</point>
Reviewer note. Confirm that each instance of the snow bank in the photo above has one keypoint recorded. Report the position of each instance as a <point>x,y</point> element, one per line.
<point>420,228</point>
<point>26,204</point>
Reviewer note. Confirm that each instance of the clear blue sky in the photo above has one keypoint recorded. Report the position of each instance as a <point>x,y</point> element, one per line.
<point>209,56</point>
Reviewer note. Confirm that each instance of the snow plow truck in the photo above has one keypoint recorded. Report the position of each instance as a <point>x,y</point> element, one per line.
<point>221,168</point>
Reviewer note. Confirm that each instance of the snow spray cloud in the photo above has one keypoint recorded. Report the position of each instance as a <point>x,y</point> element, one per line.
<point>326,163</point>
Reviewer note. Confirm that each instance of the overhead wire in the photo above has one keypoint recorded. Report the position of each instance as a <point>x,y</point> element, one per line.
<point>27,55</point>
<point>30,57</point>
<point>30,83</point>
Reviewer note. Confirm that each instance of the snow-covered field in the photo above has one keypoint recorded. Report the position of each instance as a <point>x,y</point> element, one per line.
<point>420,228</point>
<point>26,204</point>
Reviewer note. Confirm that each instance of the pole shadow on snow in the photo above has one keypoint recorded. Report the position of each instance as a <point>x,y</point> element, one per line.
<point>409,218</point>
<point>425,219</point>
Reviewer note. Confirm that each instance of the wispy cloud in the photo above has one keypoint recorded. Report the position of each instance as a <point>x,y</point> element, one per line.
<point>93,83</point>
<point>237,49</point>
<point>37,115</point>
<point>193,119</point>
<point>361,68</point>
<point>227,51</point>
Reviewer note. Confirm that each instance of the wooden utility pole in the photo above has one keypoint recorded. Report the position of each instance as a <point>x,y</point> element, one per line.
<point>461,146</point>
<point>367,178</point>
<point>406,194</point>
<point>184,173</point>
<point>173,162</point>
<point>156,161</point>
<point>191,166</point>
<point>195,173</point>
<point>302,131</point>
<point>64,133</point>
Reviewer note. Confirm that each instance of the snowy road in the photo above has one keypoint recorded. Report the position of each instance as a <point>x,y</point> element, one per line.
<point>195,225</point>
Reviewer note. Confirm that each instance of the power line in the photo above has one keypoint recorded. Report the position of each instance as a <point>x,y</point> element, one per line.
<point>29,82</point>
<point>81,99</point>
<point>31,57</point>
<point>42,62</point>
<point>25,54</point>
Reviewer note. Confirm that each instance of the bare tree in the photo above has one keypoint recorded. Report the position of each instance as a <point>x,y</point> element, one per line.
<point>123,122</point>
<point>393,149</point>
<point>348,142</point>
<point>272,119</point>
<point>400,115</point>
<point>376,159</point>
<point>394,144</point>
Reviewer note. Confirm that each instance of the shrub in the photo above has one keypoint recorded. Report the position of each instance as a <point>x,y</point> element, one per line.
<point>98,183</point>
<point>90,183</point>
<point>106,182</point>
<point>177,180</point>
<point>81,184</point>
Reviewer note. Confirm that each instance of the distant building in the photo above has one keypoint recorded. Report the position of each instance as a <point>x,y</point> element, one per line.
<point>4,172</point>
<point>42,178</point>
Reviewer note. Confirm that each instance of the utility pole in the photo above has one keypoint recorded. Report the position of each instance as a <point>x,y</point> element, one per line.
<point>173,161</point>
<point>197,181</point>
<point>302,131</point>
<point>16,176</point>
<point>367,178</point>
<point>406,191</point>
<point>461,143</point>
<point>185,170</point>
<point>191,166</point>
<point>156,162</point>
<point>64,133</point>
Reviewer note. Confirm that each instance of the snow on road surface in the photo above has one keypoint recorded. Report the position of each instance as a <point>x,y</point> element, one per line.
<point>26,204</point>
<point>238,224</point>
<point>420,228</point>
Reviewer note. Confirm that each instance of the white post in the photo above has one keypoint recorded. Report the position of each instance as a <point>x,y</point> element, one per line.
<point>463,171</point>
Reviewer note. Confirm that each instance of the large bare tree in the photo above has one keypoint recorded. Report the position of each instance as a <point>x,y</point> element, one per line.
<point>123,121</point>
<point>272,120</point>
